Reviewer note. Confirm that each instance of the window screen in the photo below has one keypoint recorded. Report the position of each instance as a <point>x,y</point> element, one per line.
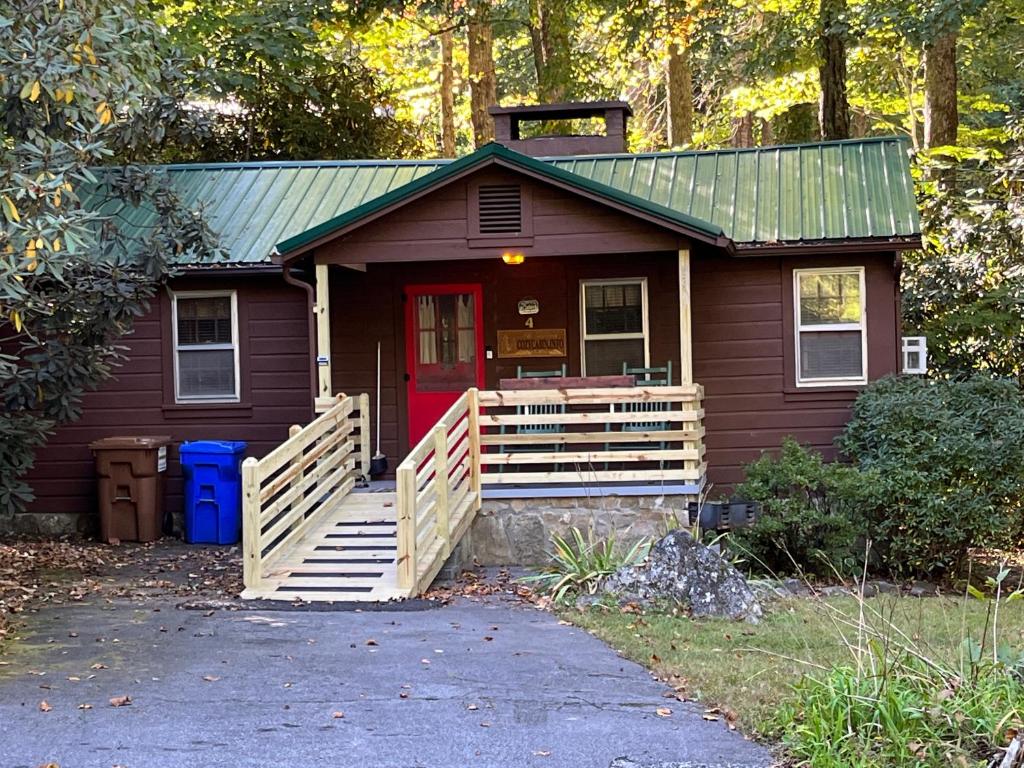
<point>205,353</point>
<point>830,326</point>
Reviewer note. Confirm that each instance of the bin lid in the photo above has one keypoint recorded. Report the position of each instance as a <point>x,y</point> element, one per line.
<point>130,442</point>
<point>213,446</point>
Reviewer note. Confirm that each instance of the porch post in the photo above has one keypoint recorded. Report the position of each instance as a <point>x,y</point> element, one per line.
<point>685,332</point>
<point>323,331</point>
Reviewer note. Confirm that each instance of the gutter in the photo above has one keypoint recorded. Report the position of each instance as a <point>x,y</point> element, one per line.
<point>286,273</point>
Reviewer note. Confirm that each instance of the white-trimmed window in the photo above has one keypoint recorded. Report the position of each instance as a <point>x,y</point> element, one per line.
<point>614,325</point>
<point>205,327</point>
<point>915,354</point>
<point>831,326</point>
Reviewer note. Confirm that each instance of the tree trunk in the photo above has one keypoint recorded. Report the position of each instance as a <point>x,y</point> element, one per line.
<point>447,95</point>
<point>940,84</point>
<point>834,111</point>
<point>550,22</point>
<point>680,95</point>
<point>743,131</point>
<point>483,84</point>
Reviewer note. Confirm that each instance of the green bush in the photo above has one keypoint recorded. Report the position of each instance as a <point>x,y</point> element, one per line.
<point>948,460</point>
<point>814,514</point>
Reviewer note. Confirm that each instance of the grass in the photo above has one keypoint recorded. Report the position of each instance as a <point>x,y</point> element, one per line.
<point>750,670</point>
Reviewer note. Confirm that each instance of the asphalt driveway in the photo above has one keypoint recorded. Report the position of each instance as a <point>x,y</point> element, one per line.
<point>481,683</point>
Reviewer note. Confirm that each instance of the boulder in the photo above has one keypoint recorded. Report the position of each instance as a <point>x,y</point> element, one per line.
<point>685,573</point>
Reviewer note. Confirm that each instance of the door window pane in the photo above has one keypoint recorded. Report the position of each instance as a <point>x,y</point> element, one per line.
<point>445,332</point>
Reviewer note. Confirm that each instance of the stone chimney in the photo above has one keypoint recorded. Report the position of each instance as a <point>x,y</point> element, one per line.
<point>507,122</point>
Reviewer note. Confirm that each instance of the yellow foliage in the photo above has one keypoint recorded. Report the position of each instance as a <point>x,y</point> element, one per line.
<point>11,209</point>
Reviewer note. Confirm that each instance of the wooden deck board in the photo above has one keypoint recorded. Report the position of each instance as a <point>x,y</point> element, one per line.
<point>348,555</point>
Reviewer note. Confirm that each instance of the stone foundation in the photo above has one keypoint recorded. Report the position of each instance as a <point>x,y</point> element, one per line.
<point>518,531</point>
<point>48,525</point>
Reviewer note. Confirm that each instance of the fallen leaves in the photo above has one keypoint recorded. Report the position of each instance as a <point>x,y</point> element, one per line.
<point>44,706</point>
<point>211,678</point>
<point>85,706</point>
<point>120,701</point>
<point>663,712</point>
<point>36,572</point>
<point>338,715</point>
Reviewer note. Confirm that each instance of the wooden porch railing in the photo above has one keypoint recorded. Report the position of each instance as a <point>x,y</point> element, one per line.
<point>639,434</point>
<point>438,487</point>
<point>289,489</point>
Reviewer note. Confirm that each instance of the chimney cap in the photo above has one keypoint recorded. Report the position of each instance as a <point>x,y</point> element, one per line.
<point>563,111</point>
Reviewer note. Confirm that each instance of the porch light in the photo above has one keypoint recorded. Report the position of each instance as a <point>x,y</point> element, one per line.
<point>511,257</point>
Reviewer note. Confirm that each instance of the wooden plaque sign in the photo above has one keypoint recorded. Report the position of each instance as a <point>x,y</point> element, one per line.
<point>532,342</point>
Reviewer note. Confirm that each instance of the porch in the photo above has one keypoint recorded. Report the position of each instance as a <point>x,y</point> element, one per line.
<point>311,532</point>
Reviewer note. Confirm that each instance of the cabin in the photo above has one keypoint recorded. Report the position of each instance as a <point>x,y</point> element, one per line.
<point>547,332</point>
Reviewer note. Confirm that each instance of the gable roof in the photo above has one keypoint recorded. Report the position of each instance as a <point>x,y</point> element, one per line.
<point>497,154</point>
<point>831,191</point>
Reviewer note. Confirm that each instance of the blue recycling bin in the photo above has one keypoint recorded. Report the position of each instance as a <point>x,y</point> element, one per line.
<point>213,490</point>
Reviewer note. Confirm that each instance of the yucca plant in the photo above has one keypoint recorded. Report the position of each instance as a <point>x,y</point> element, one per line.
<point>578,564</point>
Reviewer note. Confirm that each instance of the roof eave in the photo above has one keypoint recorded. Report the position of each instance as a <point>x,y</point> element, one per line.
<point>829,246</point>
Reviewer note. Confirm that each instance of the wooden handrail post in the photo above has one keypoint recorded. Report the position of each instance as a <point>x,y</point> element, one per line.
<point>364,435</point>
<point>252,571</point>
<point>294,430</point>
<point>473,414</point>
<point>441,487</point>
<point>405,481</point>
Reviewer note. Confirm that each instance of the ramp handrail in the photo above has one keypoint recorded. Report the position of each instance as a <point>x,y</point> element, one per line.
<point>286,492</point>
<point>438,487</point>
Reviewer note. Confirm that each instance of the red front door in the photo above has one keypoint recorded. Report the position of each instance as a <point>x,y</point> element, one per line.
<point>444,350</point>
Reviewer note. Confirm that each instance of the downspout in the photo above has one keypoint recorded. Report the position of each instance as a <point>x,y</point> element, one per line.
<point>310,331</point>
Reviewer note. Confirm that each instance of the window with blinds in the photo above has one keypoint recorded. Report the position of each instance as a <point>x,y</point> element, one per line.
<point>614,325</point>
<point>206,347</point>
<point>830,326</point>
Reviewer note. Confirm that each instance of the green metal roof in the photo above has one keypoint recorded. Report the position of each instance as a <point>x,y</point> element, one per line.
<point>848,190</point>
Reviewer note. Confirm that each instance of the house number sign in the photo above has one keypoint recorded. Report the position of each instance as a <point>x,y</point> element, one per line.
<point>532,342</point>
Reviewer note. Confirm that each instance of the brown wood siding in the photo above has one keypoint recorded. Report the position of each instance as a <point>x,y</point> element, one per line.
<point>743,355</point>
<point>438,227</point>
<point>275,393</point>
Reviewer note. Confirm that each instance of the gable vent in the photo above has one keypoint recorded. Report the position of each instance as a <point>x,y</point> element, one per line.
<point>501,209</point>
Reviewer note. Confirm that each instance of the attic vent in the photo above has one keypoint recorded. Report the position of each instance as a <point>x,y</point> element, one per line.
<point>501,209</point>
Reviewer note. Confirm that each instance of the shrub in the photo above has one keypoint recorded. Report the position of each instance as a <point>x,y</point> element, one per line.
<point>948,458</point>
<point>814,514</point>
<point>579,564</point>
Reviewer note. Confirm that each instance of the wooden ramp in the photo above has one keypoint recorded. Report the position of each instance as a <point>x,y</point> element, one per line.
<point>349,554</point>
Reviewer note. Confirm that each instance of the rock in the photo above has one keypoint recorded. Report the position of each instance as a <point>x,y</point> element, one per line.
<point>923,589</point>
<point>867,589</point>
<point>834,591</point>
<point>684,572</point>
<point>796,587</point>
<point>887,588</point>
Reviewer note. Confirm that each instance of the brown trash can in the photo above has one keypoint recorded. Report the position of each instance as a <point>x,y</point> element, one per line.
<point>130,473</point>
